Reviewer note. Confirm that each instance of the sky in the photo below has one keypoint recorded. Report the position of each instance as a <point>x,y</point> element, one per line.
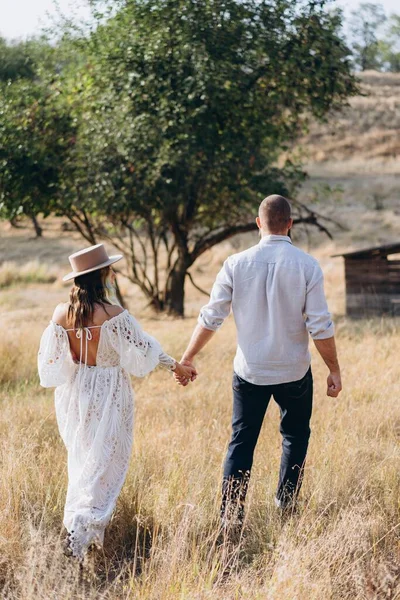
<point>23,18</point>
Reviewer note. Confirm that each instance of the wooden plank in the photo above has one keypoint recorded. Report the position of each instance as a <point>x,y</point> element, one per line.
<point>370,283</point>
<point>360,305</point>
<point>375,274</point>
<point>369,258</point>
<point>370,274</point>
<point>372,268</point>
<point>354,289</point>
<point>368,265</point>
<point>371,299</point>
<point>373,283</point>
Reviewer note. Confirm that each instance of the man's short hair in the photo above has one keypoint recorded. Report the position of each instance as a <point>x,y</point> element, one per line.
<point>275,213</point>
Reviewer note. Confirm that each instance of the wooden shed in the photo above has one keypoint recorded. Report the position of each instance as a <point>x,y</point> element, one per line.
<point>373,281</point>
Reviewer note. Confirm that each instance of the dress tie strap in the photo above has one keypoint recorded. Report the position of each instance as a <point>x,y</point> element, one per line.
<point>88,337</point>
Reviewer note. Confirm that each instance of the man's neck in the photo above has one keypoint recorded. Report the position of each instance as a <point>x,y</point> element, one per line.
<point>265,233</point>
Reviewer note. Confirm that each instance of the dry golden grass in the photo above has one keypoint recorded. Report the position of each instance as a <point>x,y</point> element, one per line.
<point>358,151</point>
<point>367,129</point>
<point>345,542</point>
<point>31,272</point>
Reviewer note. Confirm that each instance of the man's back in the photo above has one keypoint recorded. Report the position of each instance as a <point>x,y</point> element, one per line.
<point>276,294</point>
<point>277,297</point>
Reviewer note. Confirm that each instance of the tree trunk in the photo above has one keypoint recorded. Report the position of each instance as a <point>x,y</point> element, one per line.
<point>13,222</point>
<point>36,226</point>
<point>175,289</point>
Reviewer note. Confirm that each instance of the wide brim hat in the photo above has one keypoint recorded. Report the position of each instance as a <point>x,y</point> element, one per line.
<point>90,259</point>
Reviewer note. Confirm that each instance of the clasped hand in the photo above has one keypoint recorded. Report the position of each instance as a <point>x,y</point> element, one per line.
<point>184,373</point>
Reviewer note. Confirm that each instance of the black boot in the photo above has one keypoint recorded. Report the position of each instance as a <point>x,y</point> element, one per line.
<point>234,490</point>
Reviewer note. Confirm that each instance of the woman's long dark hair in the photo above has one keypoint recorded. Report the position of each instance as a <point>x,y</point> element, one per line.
<point>87,291</point>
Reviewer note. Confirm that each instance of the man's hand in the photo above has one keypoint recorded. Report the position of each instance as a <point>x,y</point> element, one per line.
<point>334,382</point>
<point>200,337</point>
<point>183,379</point>
<point>327,349</point>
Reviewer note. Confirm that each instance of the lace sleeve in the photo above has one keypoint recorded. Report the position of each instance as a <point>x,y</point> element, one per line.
<point>139,352</point>
<point>166,360</point>
<point>54,360</point>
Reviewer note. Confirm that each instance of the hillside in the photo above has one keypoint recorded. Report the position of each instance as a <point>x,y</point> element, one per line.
<point>364,133</point>
<point>353,163</point>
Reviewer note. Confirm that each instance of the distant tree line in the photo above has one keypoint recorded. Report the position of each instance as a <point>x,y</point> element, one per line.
<point>161,126</point>
<point>375,38</point>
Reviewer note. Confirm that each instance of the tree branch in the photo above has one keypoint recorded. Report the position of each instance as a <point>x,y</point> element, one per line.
<point>80,226</point>
<point>196,286</point>
<point>318,215</point>
<point>210,241</point>
<point>313,220</point>
<point>207,242</point>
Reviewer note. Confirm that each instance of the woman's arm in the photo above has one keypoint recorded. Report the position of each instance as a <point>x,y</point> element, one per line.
<point>184,372</point>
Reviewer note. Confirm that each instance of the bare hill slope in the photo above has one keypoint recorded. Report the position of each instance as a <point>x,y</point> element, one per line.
<point>365,134</point>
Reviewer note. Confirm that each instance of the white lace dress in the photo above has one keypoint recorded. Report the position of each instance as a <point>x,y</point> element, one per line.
<point>94,408</point>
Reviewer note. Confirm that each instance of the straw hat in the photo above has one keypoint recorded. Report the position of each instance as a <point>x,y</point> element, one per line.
<point>90,259</point>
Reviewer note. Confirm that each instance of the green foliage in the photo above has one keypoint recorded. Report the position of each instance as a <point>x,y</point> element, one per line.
<point>389,46</point>
<point>36,129</point>
<point>15,61</point>
<point>179,112</point>
<point>21,60</point>
<point>36,133</point>
<point>364,26</point>
<point>376,39</point>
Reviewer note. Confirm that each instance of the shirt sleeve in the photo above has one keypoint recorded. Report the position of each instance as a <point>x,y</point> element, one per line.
<point>139,352</point>
<point>317,316</point>
<point>54,359</point>
<point>219,306</point>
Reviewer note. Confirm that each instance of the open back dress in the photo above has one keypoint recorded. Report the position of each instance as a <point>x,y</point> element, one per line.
<point>94,409</point>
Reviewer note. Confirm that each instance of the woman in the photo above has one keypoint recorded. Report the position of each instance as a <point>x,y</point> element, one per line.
<point>87,353</point>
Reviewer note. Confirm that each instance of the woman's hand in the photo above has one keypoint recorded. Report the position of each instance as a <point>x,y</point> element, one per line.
<point>184,373</point>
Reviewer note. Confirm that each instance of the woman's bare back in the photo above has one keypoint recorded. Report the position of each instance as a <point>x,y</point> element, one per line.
<point>60,316</point>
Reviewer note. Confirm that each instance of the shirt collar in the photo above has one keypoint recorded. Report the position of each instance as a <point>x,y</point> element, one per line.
<point>266,239</point>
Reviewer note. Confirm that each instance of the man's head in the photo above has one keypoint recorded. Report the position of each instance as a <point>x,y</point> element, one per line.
<point>274,215</point>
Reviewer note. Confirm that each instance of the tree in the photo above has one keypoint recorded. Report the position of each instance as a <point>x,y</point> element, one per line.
<point>364,25</point>
<point>16,61</point>
<point>182,111</point>
<point>34,129</point>
<point>22,60</point>
<point>36,134</point>
<point>389,47</point>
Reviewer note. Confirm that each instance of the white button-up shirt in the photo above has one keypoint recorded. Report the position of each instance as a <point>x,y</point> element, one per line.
<point>276,292</point>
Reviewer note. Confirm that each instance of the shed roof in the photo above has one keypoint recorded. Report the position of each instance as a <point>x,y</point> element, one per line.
<point>384,250</point>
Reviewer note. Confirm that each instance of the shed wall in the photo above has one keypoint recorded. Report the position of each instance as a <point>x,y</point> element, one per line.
<point>372,286</point>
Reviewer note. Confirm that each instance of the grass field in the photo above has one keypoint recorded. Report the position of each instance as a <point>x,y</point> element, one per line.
<point>344,543</point>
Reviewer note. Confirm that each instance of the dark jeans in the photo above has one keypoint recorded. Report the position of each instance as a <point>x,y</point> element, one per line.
<point>250,403</point>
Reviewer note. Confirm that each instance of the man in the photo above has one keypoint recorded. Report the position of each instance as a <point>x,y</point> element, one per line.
<point>277,298</point>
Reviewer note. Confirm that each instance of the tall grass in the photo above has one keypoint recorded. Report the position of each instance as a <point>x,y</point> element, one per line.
<point>32,271</point>
<point>343,544</point>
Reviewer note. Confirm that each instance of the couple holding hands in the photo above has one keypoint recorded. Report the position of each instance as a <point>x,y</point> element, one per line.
<point>92,346</point>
